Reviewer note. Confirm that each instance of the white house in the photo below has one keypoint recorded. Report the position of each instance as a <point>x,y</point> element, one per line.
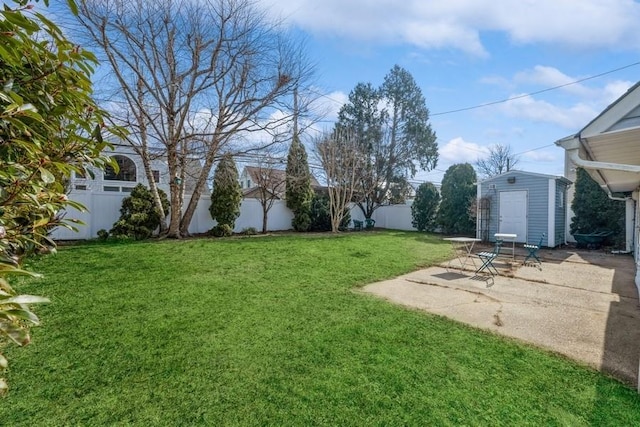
<point>130,174</point>
<point>102,191</point>
<point>608,148</point>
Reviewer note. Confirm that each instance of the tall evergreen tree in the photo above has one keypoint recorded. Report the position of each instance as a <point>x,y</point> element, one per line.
<point>227,194</point>
<point>593,210</point>
<point>458,191</point>
<point>425,207</point>
<point>299,193</point>
<point>392,126</point>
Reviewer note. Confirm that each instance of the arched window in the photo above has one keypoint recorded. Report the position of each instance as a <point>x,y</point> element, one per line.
<point>127,170</point>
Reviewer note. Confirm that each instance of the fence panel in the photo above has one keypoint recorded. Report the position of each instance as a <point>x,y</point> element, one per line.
<point>104,210</point>
<point>394,217</point>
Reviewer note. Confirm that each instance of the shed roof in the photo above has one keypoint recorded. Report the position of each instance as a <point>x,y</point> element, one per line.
<point>534,174</point>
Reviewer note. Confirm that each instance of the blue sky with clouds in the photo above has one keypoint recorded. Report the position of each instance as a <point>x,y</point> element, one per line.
<point>465,53</point>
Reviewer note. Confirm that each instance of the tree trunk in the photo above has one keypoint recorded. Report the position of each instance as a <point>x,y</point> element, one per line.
<point>154,191</point>
<point>265,218</point>
<point>197,192</point>
<point>176,200</point>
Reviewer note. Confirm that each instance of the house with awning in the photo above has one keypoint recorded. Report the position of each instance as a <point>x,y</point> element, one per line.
<point>608,148</point>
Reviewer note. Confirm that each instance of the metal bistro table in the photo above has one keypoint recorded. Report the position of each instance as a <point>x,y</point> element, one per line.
<point>508,238</point>
<point>463,247</point>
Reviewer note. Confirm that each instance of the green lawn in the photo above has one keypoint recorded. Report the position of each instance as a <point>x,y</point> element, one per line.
<point>272,331</point>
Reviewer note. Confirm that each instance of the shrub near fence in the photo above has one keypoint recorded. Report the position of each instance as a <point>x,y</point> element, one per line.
<point>104,210</point>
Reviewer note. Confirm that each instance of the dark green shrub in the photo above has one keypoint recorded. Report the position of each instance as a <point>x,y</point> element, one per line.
<point>320,216</point>
<point>595,211</point>
<point>249,231</point>
<point>103,234</point>
<point>227,194</point>
<point>320,219</point>
<point>138,215</point>
<point>458,192</point>
<point>221,230</point>
<point>425,207</point>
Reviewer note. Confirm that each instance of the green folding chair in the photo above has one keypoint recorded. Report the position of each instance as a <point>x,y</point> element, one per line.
<point>533,250</point>
<point>487,258</point>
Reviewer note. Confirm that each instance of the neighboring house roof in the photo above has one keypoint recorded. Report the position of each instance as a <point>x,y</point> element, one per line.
<point>254,193</point>
<point>519,172</point>
<point>607,147</point>
<point>277,174</point>
<point>278,178</point>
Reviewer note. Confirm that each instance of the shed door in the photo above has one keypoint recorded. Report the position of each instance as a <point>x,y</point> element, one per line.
<point>513,214</point>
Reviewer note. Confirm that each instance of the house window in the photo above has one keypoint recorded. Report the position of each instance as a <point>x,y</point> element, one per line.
<point>156,175</point>
<point>80,187</point>
<point>127,189</point>
<point>111,188</point>
<point>248,183</point>
<point>127,170</point>
<point>561,200</point>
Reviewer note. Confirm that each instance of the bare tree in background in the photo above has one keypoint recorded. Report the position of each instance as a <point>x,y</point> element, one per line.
<point>194,78</point>
<point>341,159</point>
<point>270,182</point>
<point>499,161</point>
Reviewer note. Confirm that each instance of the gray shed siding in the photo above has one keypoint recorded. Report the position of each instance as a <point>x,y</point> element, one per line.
<point>538,213</point>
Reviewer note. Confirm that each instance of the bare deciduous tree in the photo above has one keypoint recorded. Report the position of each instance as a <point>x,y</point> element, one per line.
<point>270,184</point>
<point>194,78</point>
<point>341,158</point>
<point>499,160</point>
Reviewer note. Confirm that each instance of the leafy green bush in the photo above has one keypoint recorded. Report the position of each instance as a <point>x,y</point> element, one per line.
<point>249,231</point>
<point>138,215</point>
<point>103,234</point>
<point>49,127</point>
<point>221,230</point>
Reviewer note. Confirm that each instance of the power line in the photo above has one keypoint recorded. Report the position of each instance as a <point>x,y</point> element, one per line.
<point>536,92</point>
<point>534,149</point>
<point>501,101</point>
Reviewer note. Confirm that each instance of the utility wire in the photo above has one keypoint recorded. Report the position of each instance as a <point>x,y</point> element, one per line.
<point>536,92</point>
<point>502,101</point>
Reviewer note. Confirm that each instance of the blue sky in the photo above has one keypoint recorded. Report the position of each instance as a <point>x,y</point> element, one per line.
<point>464,53</point>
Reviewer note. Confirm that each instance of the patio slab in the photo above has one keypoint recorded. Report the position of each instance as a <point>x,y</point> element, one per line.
<point>581,304</point>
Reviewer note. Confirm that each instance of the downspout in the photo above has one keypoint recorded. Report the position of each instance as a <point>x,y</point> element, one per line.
<point>573,155</point>
<point>589,164</point>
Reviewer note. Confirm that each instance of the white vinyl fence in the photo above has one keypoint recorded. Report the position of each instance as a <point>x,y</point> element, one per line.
<point>104,210</point>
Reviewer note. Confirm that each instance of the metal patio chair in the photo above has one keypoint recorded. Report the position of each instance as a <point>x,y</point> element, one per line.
<point>533,250</point>
<point>487,258</point>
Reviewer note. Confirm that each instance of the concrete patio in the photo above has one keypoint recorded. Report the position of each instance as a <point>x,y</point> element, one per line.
<point>582,304</point>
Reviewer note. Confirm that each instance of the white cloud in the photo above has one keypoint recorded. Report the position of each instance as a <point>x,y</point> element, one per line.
<point>458,150</point>
<point>459,24</point>
<point>330,104</point>
<point>527,107</point>
<point>615,90</point>
<point>540,156</point>
<point>548,77</point>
